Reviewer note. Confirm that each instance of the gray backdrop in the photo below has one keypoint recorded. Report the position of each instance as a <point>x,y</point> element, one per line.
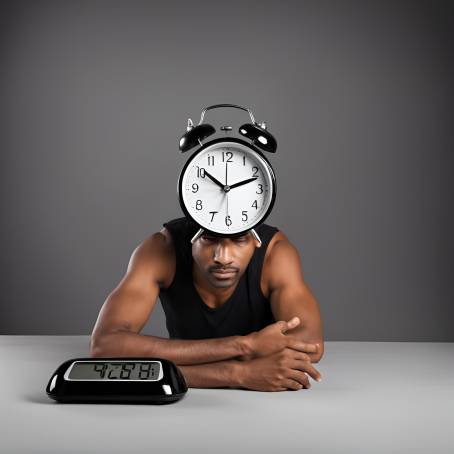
<point>95,96</point>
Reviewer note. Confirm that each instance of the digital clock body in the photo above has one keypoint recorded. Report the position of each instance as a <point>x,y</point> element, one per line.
<point>135,380</point>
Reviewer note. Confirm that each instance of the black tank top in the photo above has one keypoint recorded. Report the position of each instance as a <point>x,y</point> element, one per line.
<point>187,315</point>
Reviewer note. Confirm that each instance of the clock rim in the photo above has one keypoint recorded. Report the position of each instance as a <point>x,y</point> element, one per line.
<point>198,151</point>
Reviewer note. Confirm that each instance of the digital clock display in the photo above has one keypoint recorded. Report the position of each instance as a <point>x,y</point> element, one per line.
<point>115,370</point>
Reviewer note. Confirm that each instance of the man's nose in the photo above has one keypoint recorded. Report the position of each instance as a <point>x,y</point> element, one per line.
<point>222,254</point>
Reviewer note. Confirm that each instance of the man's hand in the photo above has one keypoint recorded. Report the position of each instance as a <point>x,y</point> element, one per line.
<point>281,371</point>
<point>272,339</point>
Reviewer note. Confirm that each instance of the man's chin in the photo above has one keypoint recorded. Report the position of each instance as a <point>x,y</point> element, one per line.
<point>223,283</point>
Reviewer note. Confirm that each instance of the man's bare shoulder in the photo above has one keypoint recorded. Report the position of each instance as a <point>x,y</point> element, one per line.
<point>167,237</point>
<point>264,281</point>
<point>156,252</point>
<point>278,236</point>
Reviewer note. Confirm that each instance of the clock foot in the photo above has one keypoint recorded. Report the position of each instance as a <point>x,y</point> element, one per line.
<point>256,236</point>
<point>196,236</point>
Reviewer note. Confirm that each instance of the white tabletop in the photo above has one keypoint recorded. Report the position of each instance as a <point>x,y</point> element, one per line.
<point>375,397</point>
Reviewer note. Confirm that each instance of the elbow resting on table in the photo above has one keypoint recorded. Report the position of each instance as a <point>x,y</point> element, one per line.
<point>96,347</point>
<point>96,353</point>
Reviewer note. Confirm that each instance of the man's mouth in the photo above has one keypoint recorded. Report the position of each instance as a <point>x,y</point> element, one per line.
<point>224,274</point>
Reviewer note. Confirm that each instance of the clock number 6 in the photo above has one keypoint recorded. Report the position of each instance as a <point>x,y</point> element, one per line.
<point>228,221</point>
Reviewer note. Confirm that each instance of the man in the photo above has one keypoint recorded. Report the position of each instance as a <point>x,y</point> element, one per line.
<point>221,297</point>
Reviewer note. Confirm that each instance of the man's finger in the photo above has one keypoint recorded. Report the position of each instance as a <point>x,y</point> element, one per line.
<point>307,367</point>
<point>302,346</point>
<point>301,356</point>
<point>292,323</point>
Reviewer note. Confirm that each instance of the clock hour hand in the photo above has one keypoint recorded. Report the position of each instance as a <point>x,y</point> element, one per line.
<point>240,183</point>
<point>214,179</point>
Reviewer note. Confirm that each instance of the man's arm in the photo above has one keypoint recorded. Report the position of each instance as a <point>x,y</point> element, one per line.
<point>128,307</point>
<point>290,296</point>
<point>123,343</point>
<point>220,374</point>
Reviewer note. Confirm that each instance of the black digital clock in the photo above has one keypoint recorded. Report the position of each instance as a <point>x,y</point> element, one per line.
<point>147,380</point>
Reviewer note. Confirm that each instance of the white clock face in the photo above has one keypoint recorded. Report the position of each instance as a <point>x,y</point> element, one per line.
<point>227,187</point>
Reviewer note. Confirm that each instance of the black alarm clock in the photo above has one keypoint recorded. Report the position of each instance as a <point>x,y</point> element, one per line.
<point>227,186</point>
<point>116,380</point>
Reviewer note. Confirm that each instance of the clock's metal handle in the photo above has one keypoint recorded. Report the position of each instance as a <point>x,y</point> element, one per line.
<point>227,105</point>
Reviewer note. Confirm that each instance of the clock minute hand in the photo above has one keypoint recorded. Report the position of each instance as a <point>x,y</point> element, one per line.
<point>214,179</point>
<point>240,183</point>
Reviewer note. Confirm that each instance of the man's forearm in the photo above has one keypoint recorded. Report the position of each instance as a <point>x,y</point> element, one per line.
<point>180,351</point>
<point>221,374</point>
